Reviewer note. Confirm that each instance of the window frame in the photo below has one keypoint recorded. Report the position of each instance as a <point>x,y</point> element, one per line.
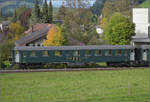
<point>118,52</point>
<point>45,55</point>
<point>57,53</point>
<point>88,52</point>
<point>76,53</point>
<point>33,52</point>
<point>108,52</point>
<point>98,53</point>
<point>24,54</point>
<point>125,52</point>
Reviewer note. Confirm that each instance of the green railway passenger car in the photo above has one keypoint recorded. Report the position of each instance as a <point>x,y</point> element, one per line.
<point>74,54</point>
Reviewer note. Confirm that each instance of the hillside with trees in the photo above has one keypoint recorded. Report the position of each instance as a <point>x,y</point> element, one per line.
<point>8,6</point>
<point>145,4</point>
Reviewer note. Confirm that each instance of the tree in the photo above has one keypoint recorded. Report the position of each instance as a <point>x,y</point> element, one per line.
<point>108,9</point>
<point>20,10</point>
<point>35,18</point>
<point>55,37</point>
<point>1,13</point>
<point>111,7</point>
<point>118,6</point>
<point>98,6</point>
<point>25,18</point>
<point>119,30</point>
<point>103,22</point>
<point>78,21</point>
<point>50,12</point>
<point>45,17</point>
<point>15,32</point>
<point>14,19</point>
<point>61,13</point>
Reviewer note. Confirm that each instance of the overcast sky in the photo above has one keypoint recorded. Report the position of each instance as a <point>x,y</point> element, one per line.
<point>58,3</point>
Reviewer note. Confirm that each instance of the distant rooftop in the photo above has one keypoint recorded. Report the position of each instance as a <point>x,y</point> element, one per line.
<point>39,30</point>
<point>5,23</point>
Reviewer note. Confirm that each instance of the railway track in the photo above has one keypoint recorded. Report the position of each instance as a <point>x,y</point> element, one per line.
<point>68,69</point>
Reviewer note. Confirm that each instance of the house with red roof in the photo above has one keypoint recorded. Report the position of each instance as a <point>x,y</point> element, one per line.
<point>35,35</point>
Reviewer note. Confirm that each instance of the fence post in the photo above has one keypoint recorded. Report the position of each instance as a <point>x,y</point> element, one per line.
<point>129,89</point>
<point>0,94</point>
<point>103,93</point>
<point>0,60</point>
<point>31,98</point>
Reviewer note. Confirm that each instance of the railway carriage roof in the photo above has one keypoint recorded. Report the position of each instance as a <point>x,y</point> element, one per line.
<point>90,47</point>
<point>145,46</point>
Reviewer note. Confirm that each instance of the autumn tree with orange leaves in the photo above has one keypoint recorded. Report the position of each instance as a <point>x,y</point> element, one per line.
<point>55,37</point>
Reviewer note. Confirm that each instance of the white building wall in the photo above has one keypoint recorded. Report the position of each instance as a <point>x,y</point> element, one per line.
<point>141,30</point>
<point>149,15</point>
<point>141,18</point>
<point>1,27</point>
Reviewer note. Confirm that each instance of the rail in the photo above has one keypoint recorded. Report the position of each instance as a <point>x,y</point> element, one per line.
<point>69,69</point>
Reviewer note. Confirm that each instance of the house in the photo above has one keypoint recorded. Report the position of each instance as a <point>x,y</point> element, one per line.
<point>99,30</point>
<point>4,25</point>
<point>35,35</point>
<point>141,18</point>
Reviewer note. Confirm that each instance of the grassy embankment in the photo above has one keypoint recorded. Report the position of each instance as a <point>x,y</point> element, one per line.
<point>85,86</point>
<point>146,4</point>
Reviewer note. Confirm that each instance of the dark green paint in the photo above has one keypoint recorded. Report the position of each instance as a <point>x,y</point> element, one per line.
<point>69,57</point>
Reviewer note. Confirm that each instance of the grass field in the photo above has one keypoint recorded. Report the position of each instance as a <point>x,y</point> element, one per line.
<point>146,4</point>
<point>84,86</point>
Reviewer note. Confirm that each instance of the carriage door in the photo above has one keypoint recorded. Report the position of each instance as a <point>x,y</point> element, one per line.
<point>144,55</point>
<point>17,57</point>
<point>132,54</point>
<point>137,54</point>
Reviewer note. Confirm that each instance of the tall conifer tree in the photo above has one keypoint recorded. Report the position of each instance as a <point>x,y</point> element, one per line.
<point>45,12</point>
<point>50,12</point>
<point>14,19</point>
<point>1,13</point>
<point>35,18</point>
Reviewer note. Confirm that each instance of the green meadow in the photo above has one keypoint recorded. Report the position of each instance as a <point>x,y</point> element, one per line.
<point>79,86</point>
<point>145,4</point>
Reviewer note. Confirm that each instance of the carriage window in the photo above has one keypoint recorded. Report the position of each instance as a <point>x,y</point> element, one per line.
<point>33,54</point>
<point>125,53</point>
<point>118,53</point>
<point>76,53</point>
<point>24,54</point>
<point>45,53</point>
<point>145,50</point>
<point>98,53</point>
<point>75,59</point>
<point>67,53</point>
<point>17,52</point>
<point>58,53</point>
<point>108,53</point>
<point>87,53</point>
